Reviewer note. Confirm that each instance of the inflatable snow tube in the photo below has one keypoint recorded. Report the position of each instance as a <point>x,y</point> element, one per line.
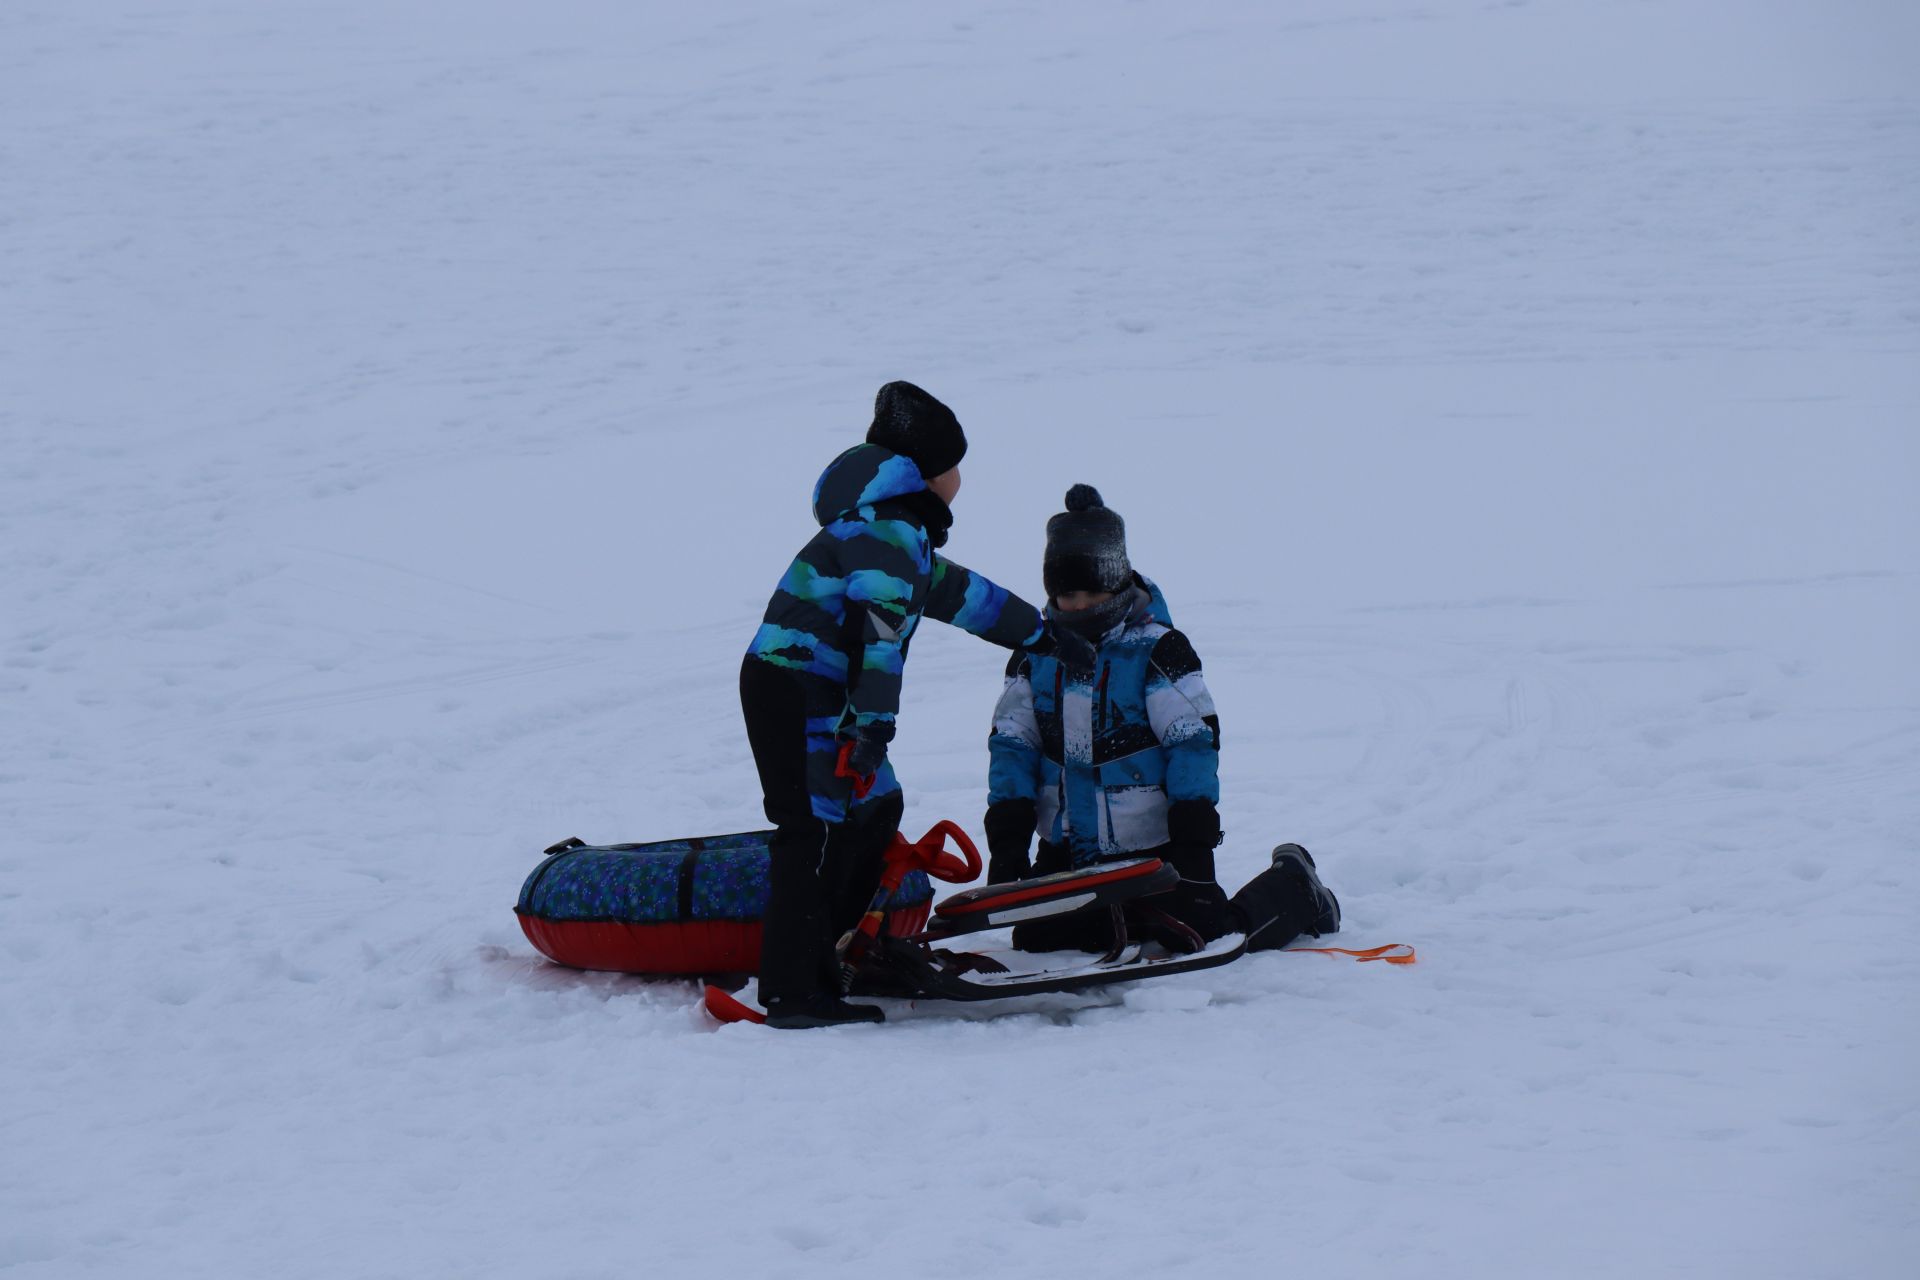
<point>690,906</point>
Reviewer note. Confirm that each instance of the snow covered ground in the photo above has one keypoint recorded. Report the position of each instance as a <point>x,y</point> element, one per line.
<point>409,411</point>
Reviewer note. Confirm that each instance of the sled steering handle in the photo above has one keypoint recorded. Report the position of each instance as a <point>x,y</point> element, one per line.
<point>930,854</point>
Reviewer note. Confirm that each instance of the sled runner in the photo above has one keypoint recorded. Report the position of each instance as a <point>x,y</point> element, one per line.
<point>1145,942</point>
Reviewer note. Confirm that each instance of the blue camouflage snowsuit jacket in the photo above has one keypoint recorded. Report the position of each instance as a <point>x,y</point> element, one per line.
<point>846,609</point>
<point>1104,752</point>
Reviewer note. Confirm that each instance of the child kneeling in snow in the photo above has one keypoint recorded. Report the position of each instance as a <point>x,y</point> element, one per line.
<point>1118,757</point>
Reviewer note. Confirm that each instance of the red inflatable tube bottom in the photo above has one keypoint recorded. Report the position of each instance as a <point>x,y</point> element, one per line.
<point>690,947</point>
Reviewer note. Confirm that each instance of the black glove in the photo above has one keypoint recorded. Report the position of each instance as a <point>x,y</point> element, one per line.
<point>865,748</point>
<point>1193,829</point>
<point>1194,824</point>
<point>1009,825</point>
<point>1066,644</point>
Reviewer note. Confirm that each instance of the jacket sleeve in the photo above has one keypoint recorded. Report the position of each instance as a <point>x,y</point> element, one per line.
<point>1181,712</point>
<point>886,585</point>
<point>966,600</point>
<point>1013,748</point>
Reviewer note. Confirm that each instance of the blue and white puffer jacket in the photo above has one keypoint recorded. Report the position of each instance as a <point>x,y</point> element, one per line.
<point>1103,752</point>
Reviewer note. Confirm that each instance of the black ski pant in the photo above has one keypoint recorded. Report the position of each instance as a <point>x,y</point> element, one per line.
<point>823,874</point>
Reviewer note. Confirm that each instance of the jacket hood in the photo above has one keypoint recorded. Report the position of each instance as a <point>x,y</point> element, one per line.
<point>1156,606</point>
<point>862,476</point>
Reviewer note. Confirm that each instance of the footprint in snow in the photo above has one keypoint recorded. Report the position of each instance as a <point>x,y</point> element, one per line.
<point>803,1238</point>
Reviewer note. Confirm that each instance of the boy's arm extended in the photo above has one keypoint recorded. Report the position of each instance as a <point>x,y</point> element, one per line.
<point>971,602</point>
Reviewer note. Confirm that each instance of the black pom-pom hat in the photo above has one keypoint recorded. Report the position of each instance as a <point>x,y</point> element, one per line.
<point>1086,546</point>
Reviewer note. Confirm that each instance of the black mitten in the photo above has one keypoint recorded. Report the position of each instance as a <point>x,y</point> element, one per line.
<point>1009,826</point>
<point>865,748</point>
<point>1193,829</point>
<point>1194,824</point>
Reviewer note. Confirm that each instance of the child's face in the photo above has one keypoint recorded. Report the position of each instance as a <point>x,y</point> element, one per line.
<point>1074,601</point>
<point>946,485</point>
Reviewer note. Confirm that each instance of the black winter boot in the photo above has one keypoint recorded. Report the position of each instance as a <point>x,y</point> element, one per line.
<point>818,1011</point>
<point>1285,901</point>
<point>1328,919</point>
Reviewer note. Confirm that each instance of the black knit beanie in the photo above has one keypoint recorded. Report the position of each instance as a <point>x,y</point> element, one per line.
<point>914,425</point>
<point>1086,546</point>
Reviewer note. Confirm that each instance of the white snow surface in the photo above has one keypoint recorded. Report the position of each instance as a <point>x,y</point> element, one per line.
<point>410,407</point>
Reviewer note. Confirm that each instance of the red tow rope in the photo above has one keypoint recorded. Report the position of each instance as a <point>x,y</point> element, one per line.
<point>1392,953</point>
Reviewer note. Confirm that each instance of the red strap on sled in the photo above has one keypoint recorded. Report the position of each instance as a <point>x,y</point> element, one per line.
<point>1392,953</point>
<point>929,854</point>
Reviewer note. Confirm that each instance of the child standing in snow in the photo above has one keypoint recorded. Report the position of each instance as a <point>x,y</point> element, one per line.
<point>1116,755</point>
<point>820,685</point>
